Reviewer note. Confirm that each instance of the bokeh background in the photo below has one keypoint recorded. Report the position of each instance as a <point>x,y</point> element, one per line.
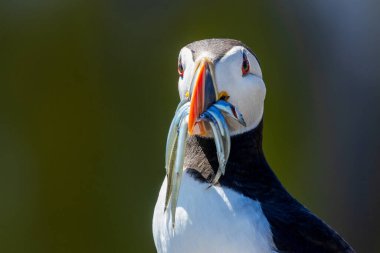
<point>88,90</point>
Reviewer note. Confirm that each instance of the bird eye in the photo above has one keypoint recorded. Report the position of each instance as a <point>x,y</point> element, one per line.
<point>245,65</point>
<point>180,69</point>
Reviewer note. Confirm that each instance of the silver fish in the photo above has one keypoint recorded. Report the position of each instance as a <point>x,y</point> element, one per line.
<point>173,132</point>
<point>207,117</point>
<point>178,167</point>
<point>171,147</point>
<point>230,111</point>
<point>222,124</point>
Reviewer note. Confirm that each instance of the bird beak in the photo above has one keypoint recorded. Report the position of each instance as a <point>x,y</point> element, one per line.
<point>203,94</point>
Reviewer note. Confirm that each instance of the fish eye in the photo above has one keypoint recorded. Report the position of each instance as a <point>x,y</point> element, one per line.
<point>245,65</point>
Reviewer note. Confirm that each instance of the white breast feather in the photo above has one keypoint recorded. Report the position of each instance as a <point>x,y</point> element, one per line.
<point>209,220</point>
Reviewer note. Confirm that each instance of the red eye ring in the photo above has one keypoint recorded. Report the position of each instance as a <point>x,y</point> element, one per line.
<point>245,67</point>
<point>181,70</point>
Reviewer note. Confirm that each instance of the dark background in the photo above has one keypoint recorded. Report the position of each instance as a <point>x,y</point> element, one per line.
<point>88,90</point>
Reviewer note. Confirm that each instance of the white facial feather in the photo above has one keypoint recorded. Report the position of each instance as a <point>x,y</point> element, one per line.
<point>247,92</point>
<point>186,58</point>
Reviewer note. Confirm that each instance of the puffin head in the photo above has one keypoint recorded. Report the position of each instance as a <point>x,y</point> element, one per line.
<point>214,69</point>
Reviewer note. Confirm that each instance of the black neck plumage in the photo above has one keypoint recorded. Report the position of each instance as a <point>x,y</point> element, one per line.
<point>246,170</point>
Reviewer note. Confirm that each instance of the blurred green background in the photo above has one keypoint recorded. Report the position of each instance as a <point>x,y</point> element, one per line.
<point>88,90</point>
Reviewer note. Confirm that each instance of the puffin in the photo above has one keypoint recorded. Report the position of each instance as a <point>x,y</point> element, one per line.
<point>245,209</point>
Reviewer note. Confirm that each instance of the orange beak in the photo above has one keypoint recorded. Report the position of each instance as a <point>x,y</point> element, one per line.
<point>203,95</point>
